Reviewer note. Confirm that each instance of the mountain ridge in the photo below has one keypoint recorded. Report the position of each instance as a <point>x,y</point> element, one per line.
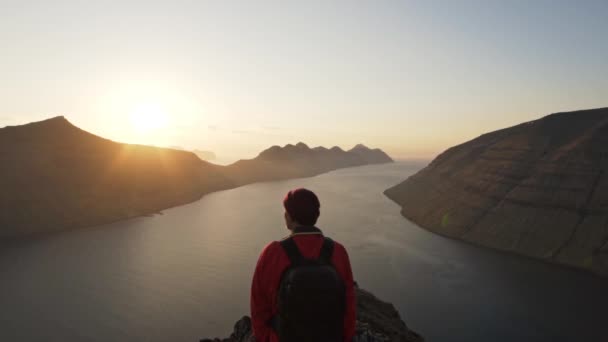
<point>294,161</point>
<point>56,176</point>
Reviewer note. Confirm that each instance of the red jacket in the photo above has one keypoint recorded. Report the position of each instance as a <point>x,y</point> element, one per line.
<point>271,264</point>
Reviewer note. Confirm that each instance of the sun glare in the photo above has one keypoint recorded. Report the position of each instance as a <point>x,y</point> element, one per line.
<point>148,117</point>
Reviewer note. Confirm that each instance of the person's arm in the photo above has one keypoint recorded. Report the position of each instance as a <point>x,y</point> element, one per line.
<point>350,315</point>
<point>261,306</point>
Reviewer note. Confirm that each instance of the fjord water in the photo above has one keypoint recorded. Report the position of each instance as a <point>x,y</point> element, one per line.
<point>185,274</point>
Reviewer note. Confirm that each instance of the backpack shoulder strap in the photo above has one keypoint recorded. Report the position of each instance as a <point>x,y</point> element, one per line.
<point>292,251</point>
<point>327,250</point>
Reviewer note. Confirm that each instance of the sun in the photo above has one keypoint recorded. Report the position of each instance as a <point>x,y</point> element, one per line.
<point>148,117</point>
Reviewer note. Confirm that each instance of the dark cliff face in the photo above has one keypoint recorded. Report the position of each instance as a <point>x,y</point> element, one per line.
<point>539,189</point>
<point>56,176</point>
<point>292,161</point>
<point>377,321</point>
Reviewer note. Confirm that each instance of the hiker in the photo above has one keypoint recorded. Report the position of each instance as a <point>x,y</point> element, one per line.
<point>303,287</point>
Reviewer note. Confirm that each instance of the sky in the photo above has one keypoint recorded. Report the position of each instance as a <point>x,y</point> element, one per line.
<point>235,77</point>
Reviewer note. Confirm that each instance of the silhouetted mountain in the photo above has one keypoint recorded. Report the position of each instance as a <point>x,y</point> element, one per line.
<point>370,156</point>
<point>299,160</point>
<point>56,176</point>
<point>539,189</point>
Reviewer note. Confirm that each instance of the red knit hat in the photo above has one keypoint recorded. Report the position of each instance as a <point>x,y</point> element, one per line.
<point>303,206</point>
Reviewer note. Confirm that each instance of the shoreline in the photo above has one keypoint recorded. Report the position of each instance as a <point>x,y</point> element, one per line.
<point>552,262</point>
<point>152,213</point>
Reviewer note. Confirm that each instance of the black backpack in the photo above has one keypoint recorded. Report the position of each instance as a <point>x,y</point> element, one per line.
<point>311,297</point>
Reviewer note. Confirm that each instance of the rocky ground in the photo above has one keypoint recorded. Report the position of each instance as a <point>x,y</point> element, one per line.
<point>377,321</point>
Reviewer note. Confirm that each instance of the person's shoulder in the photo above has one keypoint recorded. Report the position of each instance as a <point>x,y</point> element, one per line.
<point>338,247</point>
<point>340,256</point>
<point>272,248</point>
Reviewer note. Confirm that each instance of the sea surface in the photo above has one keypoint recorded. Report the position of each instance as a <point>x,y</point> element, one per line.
<point>185,274</point>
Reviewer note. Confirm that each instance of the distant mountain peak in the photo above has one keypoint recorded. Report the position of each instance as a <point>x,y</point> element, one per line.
<point>57,125</point>
<point>359,147</point>
<point>60,119</point>
<point>359,155</point>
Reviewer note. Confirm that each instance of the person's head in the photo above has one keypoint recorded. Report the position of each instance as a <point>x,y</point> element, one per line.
<point>301,208</point>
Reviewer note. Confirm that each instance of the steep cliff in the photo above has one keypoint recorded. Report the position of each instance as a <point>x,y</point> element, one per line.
<point>377,321</point>
<point>539,189</point>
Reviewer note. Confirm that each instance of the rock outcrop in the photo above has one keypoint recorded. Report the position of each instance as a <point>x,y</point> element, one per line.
<point>55,176</point>
<point>538,189</point>
<point>377,321</point>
